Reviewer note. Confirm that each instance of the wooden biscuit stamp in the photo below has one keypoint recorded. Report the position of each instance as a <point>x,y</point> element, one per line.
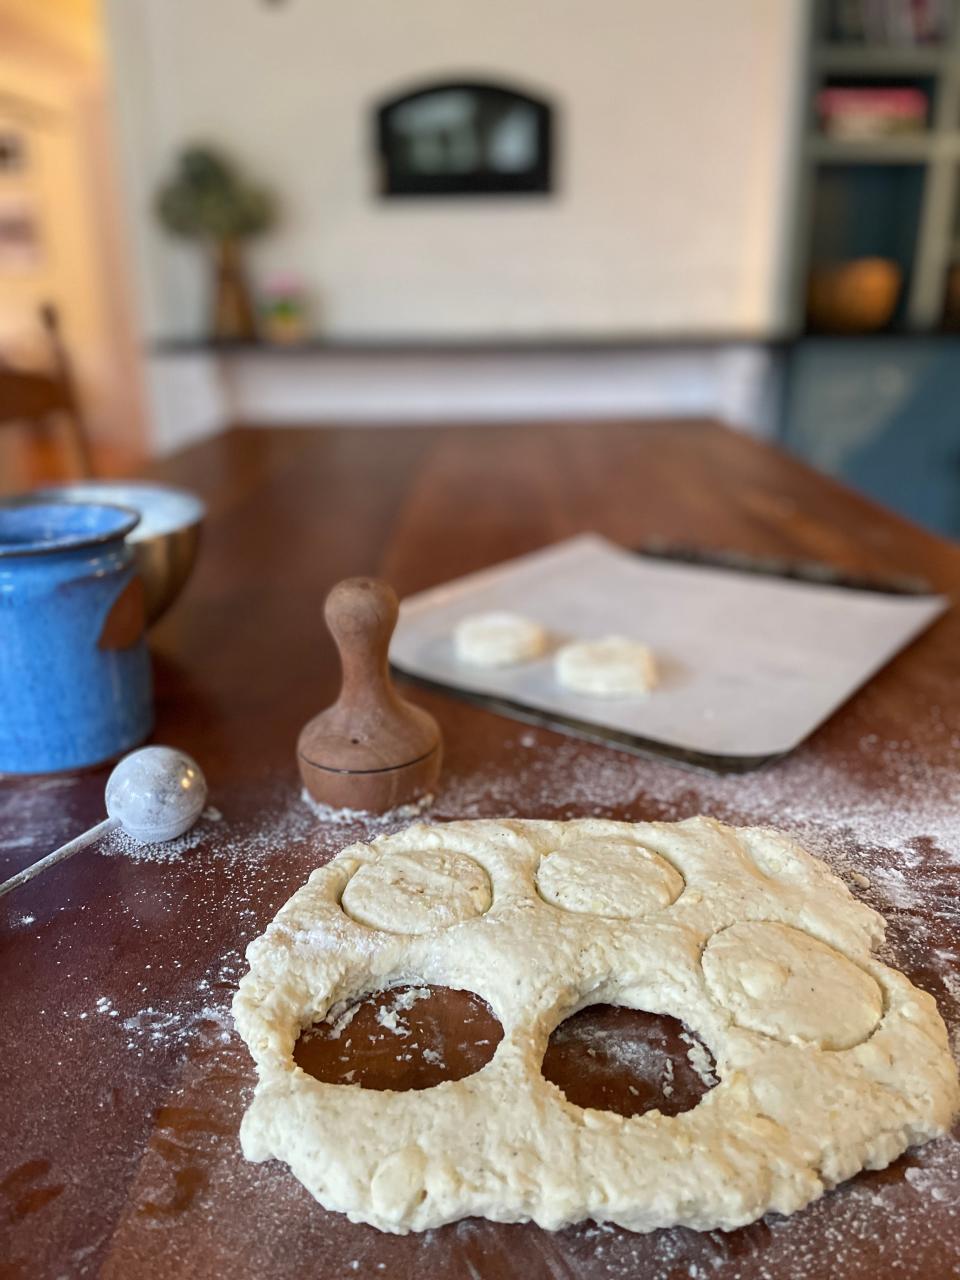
<point>371,749</point>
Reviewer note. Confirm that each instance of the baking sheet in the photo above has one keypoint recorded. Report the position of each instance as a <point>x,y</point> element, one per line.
<point>749,664</point>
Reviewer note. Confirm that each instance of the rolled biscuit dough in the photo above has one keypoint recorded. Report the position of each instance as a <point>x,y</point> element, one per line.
<point>498,639</point>
<point>793,1113</point>
<point>614,667</point>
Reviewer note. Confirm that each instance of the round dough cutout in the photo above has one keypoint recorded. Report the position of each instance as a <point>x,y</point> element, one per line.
<point>618,879</point>
<point>498,639</point>
<point>420,891</point>
<point>780,981</point>
<point>614,667</point>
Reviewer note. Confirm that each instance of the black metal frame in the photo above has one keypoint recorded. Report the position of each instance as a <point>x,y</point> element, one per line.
<point>538,180</point>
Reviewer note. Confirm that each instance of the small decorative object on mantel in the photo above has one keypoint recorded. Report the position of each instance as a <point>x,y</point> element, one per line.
<point>856,296</point>
<point>209,200</point>
<point>283,311</point>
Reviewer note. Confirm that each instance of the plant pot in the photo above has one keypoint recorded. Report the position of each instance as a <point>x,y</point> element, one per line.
<point>234,318</point>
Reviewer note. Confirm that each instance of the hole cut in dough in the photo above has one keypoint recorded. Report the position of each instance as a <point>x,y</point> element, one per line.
<point>498,639</point>
<point>422,891</point>
<point>614,667</point>
<point>404,1038</point>
<point>610,1058</point>
<point>782,982</point>
<point>619,879</point>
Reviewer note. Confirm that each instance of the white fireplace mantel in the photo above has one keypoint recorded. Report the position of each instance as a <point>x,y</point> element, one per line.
<point>197,388</point>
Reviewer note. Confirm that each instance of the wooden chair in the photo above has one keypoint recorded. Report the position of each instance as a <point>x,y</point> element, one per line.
<point>37,397</point>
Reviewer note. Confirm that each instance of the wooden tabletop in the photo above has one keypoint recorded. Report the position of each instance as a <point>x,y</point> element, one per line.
<point>121,1080</point>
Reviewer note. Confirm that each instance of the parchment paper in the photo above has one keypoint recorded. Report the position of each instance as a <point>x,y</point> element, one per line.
<point>749,664</point>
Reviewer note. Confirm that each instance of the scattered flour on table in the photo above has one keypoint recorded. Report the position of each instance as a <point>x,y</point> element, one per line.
<point>610,1046</point>
<point>928,1183</point>
<point>119,842</point>
<point>30,815</point>
<point>340,1015</point>
<point>801,794</point>
<point>904,861</point>
<point>404,813</point>
<point>838,817</point>
<point>391,1016</point>
<point>174,1024</point>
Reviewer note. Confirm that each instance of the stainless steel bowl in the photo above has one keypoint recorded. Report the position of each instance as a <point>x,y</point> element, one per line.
<point>166,540</point>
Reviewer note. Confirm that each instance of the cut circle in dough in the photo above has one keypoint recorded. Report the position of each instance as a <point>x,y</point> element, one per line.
<point>351,1047</point>
<point>779,981</point>
<point>498,639</point>
<point>629,1061</point>
<point>418,891</point>
<point>786,1120</point>
<point>618,879</point>
<point>613,667</point>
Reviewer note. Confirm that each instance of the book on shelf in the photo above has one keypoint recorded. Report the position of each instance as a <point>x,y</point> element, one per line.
<point>858,112</point>
<point>889,23</point>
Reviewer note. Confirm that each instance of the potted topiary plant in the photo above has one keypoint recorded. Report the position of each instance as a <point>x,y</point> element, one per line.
<point>209,200</point>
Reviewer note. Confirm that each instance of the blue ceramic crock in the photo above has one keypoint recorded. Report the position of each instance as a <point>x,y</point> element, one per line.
<point>75,686</point>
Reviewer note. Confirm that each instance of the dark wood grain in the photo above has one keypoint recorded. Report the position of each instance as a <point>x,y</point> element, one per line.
<point>121,1085</point>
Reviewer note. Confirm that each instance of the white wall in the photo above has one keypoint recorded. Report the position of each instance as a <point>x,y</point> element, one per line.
<point>673,133</point>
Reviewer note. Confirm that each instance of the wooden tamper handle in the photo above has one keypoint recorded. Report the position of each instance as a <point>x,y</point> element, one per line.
<point>372,749</point>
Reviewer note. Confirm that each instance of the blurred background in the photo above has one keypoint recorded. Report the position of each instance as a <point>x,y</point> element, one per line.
<point>301,211</point>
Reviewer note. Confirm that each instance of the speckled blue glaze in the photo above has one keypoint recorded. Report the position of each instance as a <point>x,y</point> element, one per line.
<point>66,700</point>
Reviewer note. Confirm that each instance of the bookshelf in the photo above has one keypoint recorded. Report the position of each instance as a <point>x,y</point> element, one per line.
<point>893,196</point>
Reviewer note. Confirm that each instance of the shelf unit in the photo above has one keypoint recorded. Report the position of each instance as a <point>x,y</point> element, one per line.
<point>908,149</point>
<point>881,60</point>
<point>933,154</point>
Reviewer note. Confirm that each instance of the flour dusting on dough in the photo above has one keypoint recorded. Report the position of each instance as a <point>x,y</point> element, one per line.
<point>699,1059</point>
<point>482,1145</point>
